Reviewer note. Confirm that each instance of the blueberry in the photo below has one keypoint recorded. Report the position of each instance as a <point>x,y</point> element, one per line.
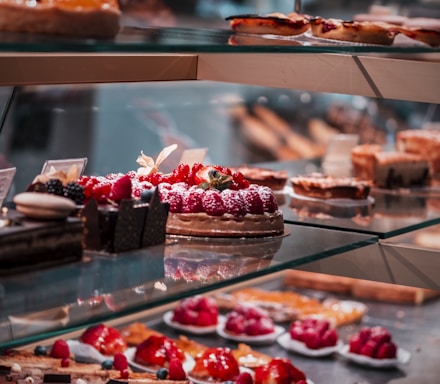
<point>162,373</point>
<point>146,195</point>
<point>107,364</point>
<point>40,351</point>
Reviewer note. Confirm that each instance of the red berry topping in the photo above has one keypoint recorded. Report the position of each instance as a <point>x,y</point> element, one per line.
<point>197,310</point>
<point>375,342</point>
<point>234,203</point>
<point>125,373</point>
<point>244,378</point>
<point>278,371</point>
<point>192,201</point>
<point>217,364</point>
<point>213,203</point>
<point>175,370</point>
<point>314,333</point>
<point>65,362</point>
<point>157,351</point>
<point>106,340</point>
<point>173,198</point>
<point>249,320</point>
<point>60,349</point>
<point>268,199</point>
<point>121,189</point>
<point>120,362</point>
<point>253,202</point>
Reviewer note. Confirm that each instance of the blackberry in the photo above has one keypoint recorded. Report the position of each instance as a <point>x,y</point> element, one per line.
<point>55,187</point>
<point>74,192</point>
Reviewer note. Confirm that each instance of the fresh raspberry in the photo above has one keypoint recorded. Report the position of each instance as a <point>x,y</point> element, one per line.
<point>355,344</point>
<point>387,350</point>
<point>124,374</point>
<point>253,202</point>
<point>268,199</point>
<point>380,335</point>
<point>65,362</point>
<point>233,202</point>
<point>296,332</point>
<point>173,198</point>
<point>311,338</point>
<point>60,349</point>
<point>369,348</point>
<point>244,378</point>
<point>120,362</point>
<point>213,203</point>
<point>101,191</point>
<point>175,370</point>
<point>121,189</point>
<point>329,338</point>
<point>191,202</point>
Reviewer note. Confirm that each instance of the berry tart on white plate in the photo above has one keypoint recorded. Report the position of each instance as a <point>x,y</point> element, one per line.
<point>197,314</point>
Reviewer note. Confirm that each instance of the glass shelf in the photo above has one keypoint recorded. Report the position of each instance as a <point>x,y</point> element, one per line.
<point>44,303</point>
<point>143,39</point>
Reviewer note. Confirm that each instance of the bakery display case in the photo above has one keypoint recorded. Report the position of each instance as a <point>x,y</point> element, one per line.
<point>164,85</point>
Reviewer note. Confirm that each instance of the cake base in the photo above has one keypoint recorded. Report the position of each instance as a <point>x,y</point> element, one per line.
<point>25,243</point>
<point>201,224</point>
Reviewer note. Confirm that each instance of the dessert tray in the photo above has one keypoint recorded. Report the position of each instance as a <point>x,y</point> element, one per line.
<point>188,364</point>
<point>403,357</point>
<point>297,346</point>
<point>197,330</point>
<point>260,339</point>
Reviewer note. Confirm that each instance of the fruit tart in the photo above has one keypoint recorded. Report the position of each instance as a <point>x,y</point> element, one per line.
<point>311,337</point>
<point>105,340</point>
<point>249,323</point>
<point>157,352</point>
<point>215,365</point>
<point>56,365</point>
<point>279,371</point>
<point>375,347</point>
<point>197,314</point>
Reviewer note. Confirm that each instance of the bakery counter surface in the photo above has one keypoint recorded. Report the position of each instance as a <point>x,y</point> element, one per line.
<point>45,302</point>
<point>414,328</point>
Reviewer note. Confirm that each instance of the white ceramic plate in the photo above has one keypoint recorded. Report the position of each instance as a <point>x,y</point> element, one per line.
<point>85,352</point>
<point>403,357</point>
<point>188,364</point>
<point>298,346</point>
<point>197,330</point>
<point>262,339</point>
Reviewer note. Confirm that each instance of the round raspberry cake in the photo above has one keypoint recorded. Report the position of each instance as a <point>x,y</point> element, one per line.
<point>219,203</point>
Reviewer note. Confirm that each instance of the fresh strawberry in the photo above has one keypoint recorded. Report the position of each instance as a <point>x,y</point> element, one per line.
<point>244,378</point>
<point>213,203</point>
<point>261,326</point>
<point>106,340</point>
<point>296,332</point>
<point>175,370</point>
<point>121,189</point>
<point>203,174</point>
<point>233,202</point>
<point>213,177</point>
<point>380,335</point>
<point>60,350</point>
<point>387,350</point>
<point>158,351</point>
<point>120,362</point>
<point>218,363</point>
<point>364,334</point>
<point>280,371</point>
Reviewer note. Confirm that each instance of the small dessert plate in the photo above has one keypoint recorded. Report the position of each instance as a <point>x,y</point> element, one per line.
<point>403,356</point>
<point>194,329</point>
<point>86,353</point>
<point>188,364</point>
<point>261,339</point>
<point>298,346</point>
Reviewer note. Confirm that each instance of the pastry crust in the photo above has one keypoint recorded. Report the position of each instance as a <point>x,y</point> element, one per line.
<point>365,32</point>
<point>272,24</point>
<point>202,224</point>
<point>74,18</point>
